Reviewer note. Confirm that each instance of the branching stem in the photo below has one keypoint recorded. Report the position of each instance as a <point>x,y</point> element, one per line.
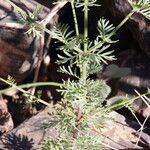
<point>84,65</point>
<point>85,25</point>
<point>126,102</point>
<point>121,24</point>
<point>26,93</point>
<point>112,33</point>
<point>57,37</point>
<point>29,85</point>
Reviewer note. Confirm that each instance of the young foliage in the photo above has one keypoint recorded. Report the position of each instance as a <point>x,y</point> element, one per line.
<point>104,28</point>
<point>83,107</point>
<point>141,6</point>
<point>81,3</point>
<point>29,19</point>
<point>83,143</point>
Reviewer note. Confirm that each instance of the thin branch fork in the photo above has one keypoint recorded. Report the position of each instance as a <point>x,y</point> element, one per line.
<point>44,22</point>
<point>53,12</point>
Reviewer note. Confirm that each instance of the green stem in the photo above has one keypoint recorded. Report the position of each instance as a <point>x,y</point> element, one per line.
<point>84,65</point>
<point>29,85</point>
<point>121,24</point>
<point>84,72</point>
<point>100,44</point>
<point>49,32</point>
<point>126,102</point>
<point>25,92</point>
<point>76,30</point>
<point>85,25</point>
<point>57,37</point>
<point>75,18</point>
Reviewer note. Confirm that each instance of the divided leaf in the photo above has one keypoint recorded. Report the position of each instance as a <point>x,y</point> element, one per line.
<point>141,6</point>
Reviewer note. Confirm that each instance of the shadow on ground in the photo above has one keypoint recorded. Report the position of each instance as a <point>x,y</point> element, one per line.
<point>17,142</point>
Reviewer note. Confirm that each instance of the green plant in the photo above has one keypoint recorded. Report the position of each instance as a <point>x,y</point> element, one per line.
<point>82,109</point>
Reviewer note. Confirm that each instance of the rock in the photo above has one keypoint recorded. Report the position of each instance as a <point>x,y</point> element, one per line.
<point>19,51</point>
<point>6,122</point>
<point>121,133</point>
<point>138,25</point>
<point>31,133</point>
<point>138,80</point>
<point>7,13</point>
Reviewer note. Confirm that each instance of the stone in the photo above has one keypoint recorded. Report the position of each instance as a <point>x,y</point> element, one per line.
<point>137,24</point>
<point>30,134</point>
